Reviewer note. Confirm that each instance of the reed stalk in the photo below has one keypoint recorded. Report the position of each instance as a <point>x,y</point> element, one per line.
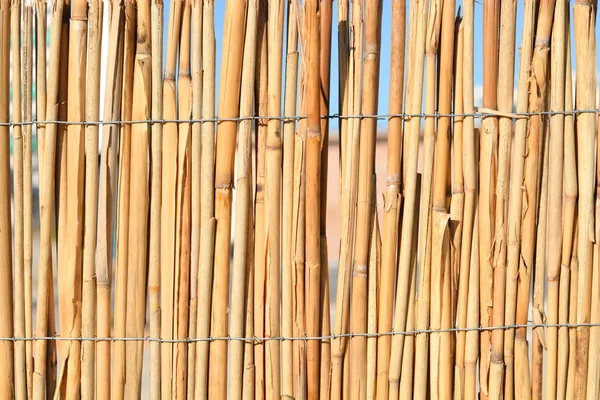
<point>515,195</point>
<point>139,199</point>
<point>207,201</point>
<point>555,192</point>
<point>46,207</point>
<point>106,197</point>
<point>243,206</point>
<point>472,336</point>
<point>229,97</point>
<point>248,384</point>
<point>573,292</point>
<point>41,22</point>
<point>156,21</point>
<point>568,231</point>
<point>392,197</point>
<point>584,21</point>
<point>374,271</point>
<point>92,113</point>
<point>287,245</point>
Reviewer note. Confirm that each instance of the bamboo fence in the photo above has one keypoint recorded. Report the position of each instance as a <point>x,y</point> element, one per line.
<point>183,249</point>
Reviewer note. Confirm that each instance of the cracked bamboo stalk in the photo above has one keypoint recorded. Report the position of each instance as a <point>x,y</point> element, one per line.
<point>92,113</point>
<point>138,198</point>
<point>373,285</point>
<point>229,97</point>
<point>243,206</point>
<point>392,197</point>
<point>207,201</point>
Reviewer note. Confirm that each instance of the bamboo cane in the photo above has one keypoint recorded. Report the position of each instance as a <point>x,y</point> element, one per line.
<point>472,336</point>
<point>573,292</point>
<point>428,300</point>
<point>106,197</point>
<point>156,15</point>
<point>27,80</point>
<point>515,196</point>
<point>358,344</point>
<point>374,271</point>
<point>41,23</point>
<point>505,104</point>
<point>273,160</point>
<point>196,74</point>
<point>243,204</point>
<point>555,190</point>
<point>20,389</point>
<point>46,206</point>
<point>138,198</point>
<point>123,204</point>
<point>229,96</point>
<point>289,127</point>
<point>260,241</point>
<point>207,202</point>
<point>325,14</point>
<point>392,197</point>
<point>92,113</point>
<point>248,384</point>
<point>487,182</point>
<point>169,197</point>
<point>537,308</point>
<point>570,204</point>
<point>584,21</point>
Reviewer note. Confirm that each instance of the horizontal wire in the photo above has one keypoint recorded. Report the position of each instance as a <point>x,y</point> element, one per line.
<point>304,338</point>
<point>482,113</point>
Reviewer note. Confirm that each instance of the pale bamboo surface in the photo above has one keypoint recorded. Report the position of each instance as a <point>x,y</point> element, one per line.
<point>359,226</point>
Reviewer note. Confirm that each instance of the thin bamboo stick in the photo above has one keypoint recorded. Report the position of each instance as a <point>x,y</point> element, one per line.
<point>20,388</point>
<point>289,127</point>
<point>584,21</point>
<point>374,271</point>
<point>138,198</point>
<point>156,16</point>
<point>92,113</point>
<point>46,206</point>
<point>392,197</point>
<point>229,97</point>
<point>573,292</point>
<point>555,189</point>
<point>106,197</point>
<point>472,339</point>
<point>41,23</point>
<point>243,205</point>
<point>207,202</point>
<point>515,195</point>
<point>570,204</point>
<point>505,104</point>
<point>248,384</point>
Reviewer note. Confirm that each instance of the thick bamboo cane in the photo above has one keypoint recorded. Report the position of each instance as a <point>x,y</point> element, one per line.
<point>428,308</point>
<point>574,266</point>
<point>515,195</point>
<point>273,161</point>
<point>392,197</point>
<point>413,105</point>
<point>20,388</point>
<point>207,201</point>
<point>570,204</point>
<point>366,169</point>
<point>289,127</point>
<point>487,187</point>
<point>139,199</point>
<point>584,22</point>
<point>106,197</point>
<point>41,22</point>
<point>373,283</point>
<point>248,384</point>
<point>229,97</point>
<point>555,191</point>
<point>123,204</point>
<point>92,113</point>
<point>46,207</point>
<point>27,84</point>
<point>537,307</point>
<point>505,104</point>
<point>472,336</point>
<point>243,206</point>
<point>156,15</point>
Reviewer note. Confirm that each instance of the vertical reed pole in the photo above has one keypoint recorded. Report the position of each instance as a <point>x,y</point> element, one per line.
<point>156,16</point>
<point>41,22</point>
<point>20,389</point>
<point>92,113</point>
<point>584,22</point>
<point>46,207</point>
<point>229,98</point>
<point>207,201</point>
<point>557,151</point>
<point>139,199</point>
<point>472,336</point>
